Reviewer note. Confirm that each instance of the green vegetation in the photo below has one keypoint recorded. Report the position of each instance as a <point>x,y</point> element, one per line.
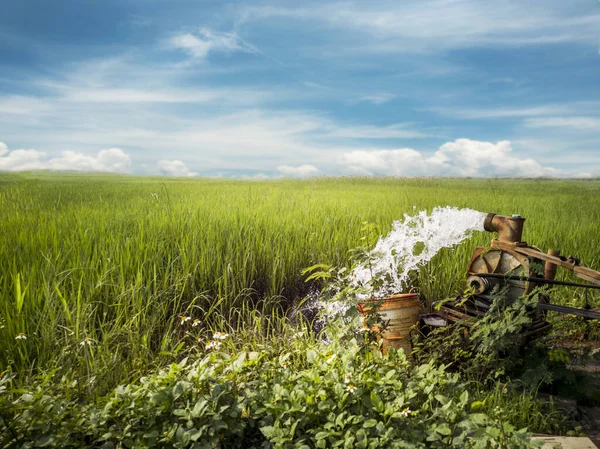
<point>312,396</point>
<point>99,273</point>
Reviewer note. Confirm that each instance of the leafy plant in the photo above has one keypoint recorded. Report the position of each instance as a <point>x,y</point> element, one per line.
<point>315,395</point>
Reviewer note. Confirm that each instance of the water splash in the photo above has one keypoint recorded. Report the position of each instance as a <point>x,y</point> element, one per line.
<point>410,244</point>
<point>413,242</point>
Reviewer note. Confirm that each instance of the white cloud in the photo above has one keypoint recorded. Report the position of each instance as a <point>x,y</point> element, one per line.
<point>437,25</point>
<point>19,160</point>
<point>175,168</point>
<point>579,123</point>
<point>400,162</point>
<point>463,157</point>
<point>95,83</point>
<point>492,113</point>
<point>315,85</point>
<point>118,101</point>
<point>460,158</point>
<point>98,108</point>
<point>398,131</point>
<point>562,151</point>
<point>112,160</point>
<point>133,95</point>
<point>380,98</point>
<point>199,45</point>
<point>21,105</point>
<point>245,140</point>
<point>301,171</point>
<point>194,46</point>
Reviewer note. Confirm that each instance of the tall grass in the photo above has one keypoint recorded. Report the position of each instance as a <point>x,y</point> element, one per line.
<point>117,260</point>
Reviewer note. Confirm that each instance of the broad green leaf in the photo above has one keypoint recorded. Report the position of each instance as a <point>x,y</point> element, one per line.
<point>377,402</point>
<point>362,441</point>
<point>443,429</point>
<point>480,419</point>
<point>321,435</point>
<point>441,398</point>
<point>239,362</point>
<point>267,431</point>
<point>370,423</point>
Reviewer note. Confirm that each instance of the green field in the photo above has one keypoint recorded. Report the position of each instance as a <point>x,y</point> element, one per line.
<point>118,260</point>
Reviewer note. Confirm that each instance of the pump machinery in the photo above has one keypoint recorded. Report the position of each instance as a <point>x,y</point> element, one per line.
<point>512,268</point>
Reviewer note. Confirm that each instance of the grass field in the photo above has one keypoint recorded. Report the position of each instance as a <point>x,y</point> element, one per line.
<point>118,260</point>
<point>111,287</point>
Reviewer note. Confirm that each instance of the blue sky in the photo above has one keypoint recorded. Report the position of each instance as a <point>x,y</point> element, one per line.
<point>294,89</point>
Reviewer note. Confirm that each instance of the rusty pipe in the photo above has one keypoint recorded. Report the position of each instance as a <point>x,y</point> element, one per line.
<point>537,280</point>
<point>550,268</point>
<point>509,229</point>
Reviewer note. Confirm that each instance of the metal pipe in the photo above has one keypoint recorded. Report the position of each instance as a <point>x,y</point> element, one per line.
<point>592,314</point>
<point>570,310</point>
<point>534,279</point>
<point>509,229</point>
<point>549,267</point>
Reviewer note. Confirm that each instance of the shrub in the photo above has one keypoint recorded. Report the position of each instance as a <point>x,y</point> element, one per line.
<point>315,395</point>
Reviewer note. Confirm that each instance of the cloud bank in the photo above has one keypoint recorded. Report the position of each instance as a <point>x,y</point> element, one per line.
<point>175,168</point>
<point>460,158</point>
<point>113,160</point>
<point>302,171</point>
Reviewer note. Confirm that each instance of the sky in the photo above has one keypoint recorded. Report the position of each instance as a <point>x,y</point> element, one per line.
<point>271,89</point>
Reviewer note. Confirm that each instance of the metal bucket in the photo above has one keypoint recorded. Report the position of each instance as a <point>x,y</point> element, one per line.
<point>402,313</point>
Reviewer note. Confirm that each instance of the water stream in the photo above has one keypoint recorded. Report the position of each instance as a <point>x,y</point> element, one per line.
<point>414,241</point>
<point>410,244</point>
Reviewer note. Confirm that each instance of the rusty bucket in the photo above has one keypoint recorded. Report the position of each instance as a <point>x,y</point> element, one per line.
<point>402,313</point>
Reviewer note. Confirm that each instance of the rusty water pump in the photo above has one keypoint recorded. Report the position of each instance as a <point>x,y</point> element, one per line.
<point>515,268</point>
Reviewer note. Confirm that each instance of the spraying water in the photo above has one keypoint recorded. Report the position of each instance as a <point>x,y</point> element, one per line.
<point>414,242</point>
<point>411,243</point>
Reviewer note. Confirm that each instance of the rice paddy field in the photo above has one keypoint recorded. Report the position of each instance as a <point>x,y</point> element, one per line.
<point>98,272</point>
<point>119,259</point>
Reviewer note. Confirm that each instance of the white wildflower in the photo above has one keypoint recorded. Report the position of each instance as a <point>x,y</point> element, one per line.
<point>21,336</point>
<point>213,344</point>
<point>220,336</point>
